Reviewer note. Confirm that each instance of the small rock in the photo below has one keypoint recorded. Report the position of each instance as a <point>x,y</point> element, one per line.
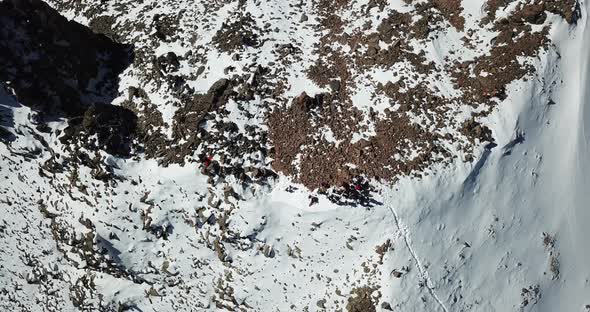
<point>335,85</point>
<point>396,273</point>
<point>113,236</point>
<point>314,200</point>
<point>200,70</point>
<point>386,306</point>
<point>268,251</point>
<point>228,69</point>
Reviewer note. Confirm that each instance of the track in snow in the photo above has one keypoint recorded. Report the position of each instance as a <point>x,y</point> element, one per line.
<point>423,273</point>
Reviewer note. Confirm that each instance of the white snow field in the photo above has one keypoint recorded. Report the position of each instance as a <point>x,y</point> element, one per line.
<point>508,232</point>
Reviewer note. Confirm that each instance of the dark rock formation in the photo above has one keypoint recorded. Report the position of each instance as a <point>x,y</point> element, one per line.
<point>62,69</point>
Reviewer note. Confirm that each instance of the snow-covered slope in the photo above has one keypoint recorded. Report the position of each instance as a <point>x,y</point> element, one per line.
<point>188,193</point>
<point>533,183</point>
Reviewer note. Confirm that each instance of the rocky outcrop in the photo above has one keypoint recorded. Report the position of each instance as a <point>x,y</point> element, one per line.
<point>62,69</point>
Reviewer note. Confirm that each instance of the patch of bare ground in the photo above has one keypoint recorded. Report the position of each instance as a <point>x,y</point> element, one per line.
<point>200,123</point>
<point>451,9</point>
<point>237,35</point>
<point>568,9</point>
<point>188,120</point>
<point>329,6</point>
<point>149,121</point>
<point>549,242</point>
<point>317,163</point>
<point>361,300</point>
<point>494,71</point>
<point>300,148</point>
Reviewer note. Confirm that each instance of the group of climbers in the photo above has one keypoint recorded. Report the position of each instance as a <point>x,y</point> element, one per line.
<point>207,165</point>
<point>357,192</point>
<point>495,93</point>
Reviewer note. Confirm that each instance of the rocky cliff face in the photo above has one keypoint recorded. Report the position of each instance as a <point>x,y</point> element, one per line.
<point>61,69</point>
<point>278,155</point>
